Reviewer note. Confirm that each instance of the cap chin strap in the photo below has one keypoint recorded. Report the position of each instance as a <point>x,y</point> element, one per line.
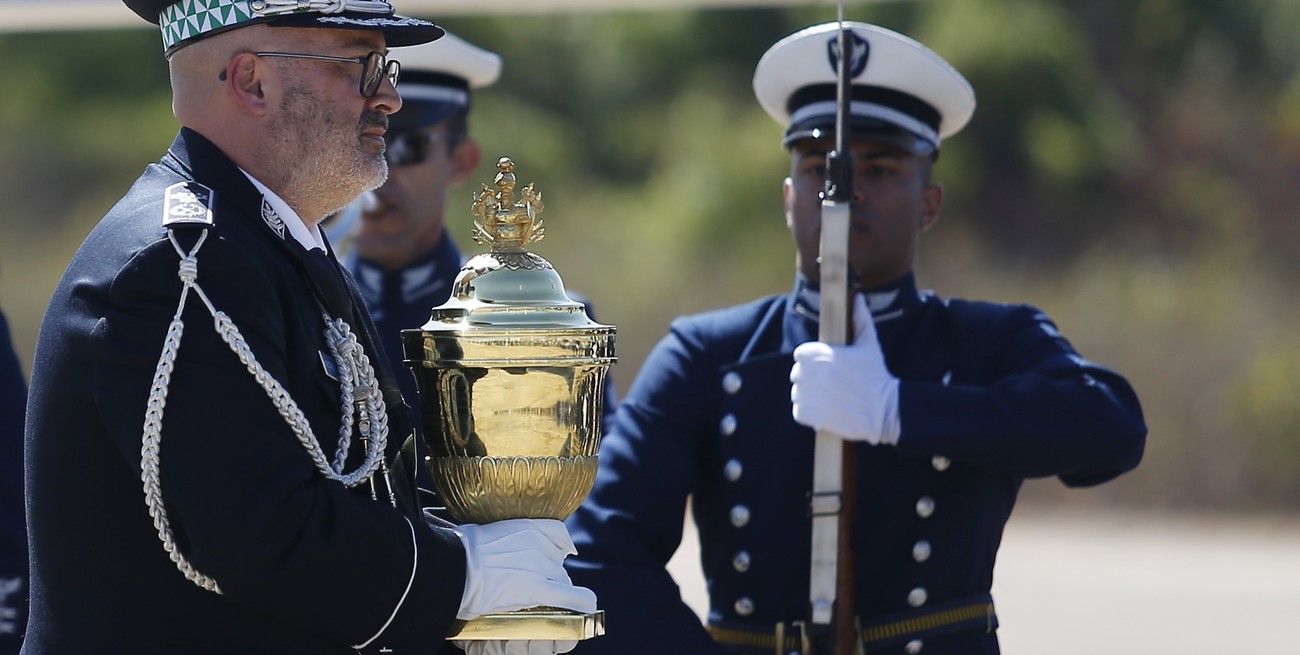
<point>362,401</point>
<point>278,7</point>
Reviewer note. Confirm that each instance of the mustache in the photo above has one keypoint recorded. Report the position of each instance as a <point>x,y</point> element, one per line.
<point>371,119</point>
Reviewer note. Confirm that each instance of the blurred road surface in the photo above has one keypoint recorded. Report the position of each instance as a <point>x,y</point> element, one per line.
<point>1081,583</point>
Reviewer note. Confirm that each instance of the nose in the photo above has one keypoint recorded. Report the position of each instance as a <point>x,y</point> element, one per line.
<point>386,100</point>
<point>859,195</point>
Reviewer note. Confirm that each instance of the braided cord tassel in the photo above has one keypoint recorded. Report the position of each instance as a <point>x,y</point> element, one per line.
<point>362,402</point>
<point>336,337</point>
<point>151,446</point>
<point>288,409</point>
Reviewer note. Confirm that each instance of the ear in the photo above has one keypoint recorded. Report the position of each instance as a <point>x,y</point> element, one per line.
<point>244,81</point>
<point>787,196</point>
<point>931,205</point>
<point>464,159</point>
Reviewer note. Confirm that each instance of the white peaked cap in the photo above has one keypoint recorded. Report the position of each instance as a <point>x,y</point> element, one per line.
<point>452,55</point>
<point>898,86</point>
<point>437,77</point>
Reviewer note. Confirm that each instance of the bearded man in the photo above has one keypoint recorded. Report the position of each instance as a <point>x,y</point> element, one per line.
<point>212,431</point>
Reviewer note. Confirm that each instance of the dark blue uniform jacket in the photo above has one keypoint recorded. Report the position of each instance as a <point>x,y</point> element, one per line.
<point>989,395</point>
<point>13,531</point>
<point>306,565</point>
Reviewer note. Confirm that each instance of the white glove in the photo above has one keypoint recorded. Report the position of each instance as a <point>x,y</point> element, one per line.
<point>514,647</point>
<point>846,390</point>
<point>518,563</point>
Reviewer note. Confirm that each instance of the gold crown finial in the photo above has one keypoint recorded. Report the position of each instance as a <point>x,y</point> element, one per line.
<point>503,223</point>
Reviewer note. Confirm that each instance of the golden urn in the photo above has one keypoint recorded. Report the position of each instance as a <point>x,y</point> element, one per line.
<point>511,379</point>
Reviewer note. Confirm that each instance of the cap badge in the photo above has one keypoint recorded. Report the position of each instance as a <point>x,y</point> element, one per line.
<point>859,51</point>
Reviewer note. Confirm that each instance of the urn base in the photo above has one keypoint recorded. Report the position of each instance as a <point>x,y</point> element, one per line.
<point>537,623</point>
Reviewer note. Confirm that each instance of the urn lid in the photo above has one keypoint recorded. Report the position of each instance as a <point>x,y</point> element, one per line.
<point>508,287</point>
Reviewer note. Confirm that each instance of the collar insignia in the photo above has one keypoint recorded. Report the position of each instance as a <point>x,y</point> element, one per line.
<point>272,219</point>
<point>187,203</point>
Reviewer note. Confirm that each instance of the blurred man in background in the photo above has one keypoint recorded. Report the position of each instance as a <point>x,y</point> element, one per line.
<point>401,252</point>
<point>13,526</point>
<point>948,404</point>
<point>211,437</point>
<point>401,255</point>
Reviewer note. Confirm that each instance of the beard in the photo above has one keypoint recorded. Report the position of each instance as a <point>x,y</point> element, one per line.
<point>317,158</point>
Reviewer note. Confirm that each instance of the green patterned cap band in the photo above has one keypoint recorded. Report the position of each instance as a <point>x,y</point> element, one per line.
<point>189,19</point>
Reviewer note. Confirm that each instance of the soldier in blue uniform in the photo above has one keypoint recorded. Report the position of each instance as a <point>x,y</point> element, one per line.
<point>950,404</point>
<point>212,426</point>
<point>13,527</point>
<point>401,255</point>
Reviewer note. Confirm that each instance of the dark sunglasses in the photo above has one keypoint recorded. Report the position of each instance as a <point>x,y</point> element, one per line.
<point>374,68</point>
<point>410,148</point>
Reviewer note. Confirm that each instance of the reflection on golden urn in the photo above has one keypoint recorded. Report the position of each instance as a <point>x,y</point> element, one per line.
<point>511,378</point>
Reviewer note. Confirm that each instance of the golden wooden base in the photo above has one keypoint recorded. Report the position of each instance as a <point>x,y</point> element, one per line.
<point>537,623</point>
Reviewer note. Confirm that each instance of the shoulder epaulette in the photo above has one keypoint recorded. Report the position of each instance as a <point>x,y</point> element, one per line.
<point>188,203</point>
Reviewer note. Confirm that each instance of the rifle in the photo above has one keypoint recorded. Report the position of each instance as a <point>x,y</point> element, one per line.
<point>831,627</point>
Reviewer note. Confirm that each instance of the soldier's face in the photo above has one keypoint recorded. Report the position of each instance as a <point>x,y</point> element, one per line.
<point>327,138</point>
<point>407,219</point>
<point>893,202</point>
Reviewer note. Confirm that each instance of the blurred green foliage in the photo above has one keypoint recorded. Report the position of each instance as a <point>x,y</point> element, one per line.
<point>1131,169</point>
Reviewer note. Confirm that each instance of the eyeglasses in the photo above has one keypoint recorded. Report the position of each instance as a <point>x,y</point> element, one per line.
<point>374,68</point>
<point>410,148</point>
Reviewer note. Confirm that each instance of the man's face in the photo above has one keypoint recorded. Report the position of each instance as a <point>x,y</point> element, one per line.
<point>893,202</point>
<point>407,220</point>
<point>326,138</point>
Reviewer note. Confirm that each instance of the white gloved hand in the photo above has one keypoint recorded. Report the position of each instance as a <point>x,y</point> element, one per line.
<point>846,390</point>
<point>518,563</point>
<point>514,647</point>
